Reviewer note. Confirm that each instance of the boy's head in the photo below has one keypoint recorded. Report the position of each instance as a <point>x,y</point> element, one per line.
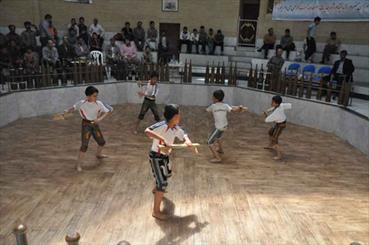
<point>154,78</point>
<point>171,114</point>
<point>317,20</point>
<point>287,32</point>
<point>218,96</point>
<point>91,93</point>
<point>276,100</point>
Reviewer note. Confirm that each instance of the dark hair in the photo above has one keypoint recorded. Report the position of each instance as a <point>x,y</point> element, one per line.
<point>152,22</point>
<point>170,111</point>
<point>210,29</point>
<point>219,31</point>
<point>333,33</point>
<point>185,27</point>
<point>127,23</point>
<point>48,16</point>
<point>277,99</point>
<point>317,19</point>
<point>27,23</point>
<point>202,27</point>
<point>154,74</point>
<point>344,52</point>
<point>81,18</point>
<point>219,95</point>
<point>9,26</point>
<point>278,47</point>
<point>194,29</point>
<point>287,30</point>
<point>90,90</point>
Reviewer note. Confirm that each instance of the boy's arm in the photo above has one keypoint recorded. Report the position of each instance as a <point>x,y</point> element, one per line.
<point>239,108</point>
<point>266,112</point>
<point>153,135</point>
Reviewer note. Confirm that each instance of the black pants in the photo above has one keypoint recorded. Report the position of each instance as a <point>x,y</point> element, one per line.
<point>266,48</point>
<point>188,44</point>
<point>221,44</point>
<point>288,49</point>
<point>311,47</point>
<point>328,50</point>
<point>146,105</point>
<point>203,46</point>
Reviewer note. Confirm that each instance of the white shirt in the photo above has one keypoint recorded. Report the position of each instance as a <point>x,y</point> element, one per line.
<point>312,30</point>
<point>91,110</point>
<point>220,111</point>
<point>169,134</point>
<point>278,115</point>
<point>151,90</point>
<point>195,37</point>
<point>184,36</point>
<point>98,29</point>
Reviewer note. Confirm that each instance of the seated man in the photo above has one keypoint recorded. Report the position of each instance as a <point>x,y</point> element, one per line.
<point>331,47</point>
<point>50,55</point>
<point>81,49</point>
<point>114,60</point>
<point>15,54</point>
<point>129,52</point>
<point>66,51</point>
<point>31,61</point>
<point>152,35</point>
<point>219,41</point>
<point>139,36</point>
<point>342,70</point>
<point>195,39</point>
<point>184,38</point>
<point>95,43</point>
<point>269,42</point>
<point>287,43</point>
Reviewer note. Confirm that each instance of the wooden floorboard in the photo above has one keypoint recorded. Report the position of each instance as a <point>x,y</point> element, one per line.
<point>319,194</point>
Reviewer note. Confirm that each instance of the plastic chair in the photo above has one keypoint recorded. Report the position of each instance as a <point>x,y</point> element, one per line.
<point>322,72</point>
<point>293,69</point>
<point>97,57</point>
<point>308,71</point>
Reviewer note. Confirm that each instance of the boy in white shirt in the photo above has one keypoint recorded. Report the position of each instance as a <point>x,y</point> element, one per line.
<point>219,111</point>
<point>195,39</point>
<point>150,93</point>
<point>164,133</point>
<point>276,114</point>
<point>92,111</point>
<point>185,38</point>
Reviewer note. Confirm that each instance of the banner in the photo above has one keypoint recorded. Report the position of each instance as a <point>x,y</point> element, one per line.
<point>328,10</point>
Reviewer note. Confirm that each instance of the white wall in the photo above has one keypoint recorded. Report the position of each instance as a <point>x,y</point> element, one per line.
<point>329,118</point>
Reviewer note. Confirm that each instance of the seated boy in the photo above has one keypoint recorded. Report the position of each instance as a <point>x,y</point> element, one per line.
<point>219,111</point>
<point>164,133</point>
<point>276,114</point>
<point>92,112</point>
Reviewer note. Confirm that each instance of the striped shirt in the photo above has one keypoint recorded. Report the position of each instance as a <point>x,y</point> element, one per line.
<point>169,134</point>
<point>91,110</point>
<point>151,91</point>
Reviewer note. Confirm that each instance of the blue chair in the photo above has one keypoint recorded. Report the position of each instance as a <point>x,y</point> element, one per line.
<point>308,72</point>
<point>322,72</point>
<point>293,69</point>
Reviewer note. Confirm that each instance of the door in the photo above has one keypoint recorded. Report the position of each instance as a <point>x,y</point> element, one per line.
<point>249,14</point>
<point>172,31</point>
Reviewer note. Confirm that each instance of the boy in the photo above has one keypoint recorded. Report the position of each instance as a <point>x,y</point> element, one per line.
<point>92,112</point>
<point>279,118</point>
<point>150,94</point>
<point>219,111</point>
<point>164,133</point>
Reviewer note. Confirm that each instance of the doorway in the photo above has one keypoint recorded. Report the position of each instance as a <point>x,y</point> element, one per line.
<point>172,31</point>
<point>247,26</point>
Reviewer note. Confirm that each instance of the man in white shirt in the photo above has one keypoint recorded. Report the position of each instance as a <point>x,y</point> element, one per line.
<point>195,39</point>
<point>92,112</point>
<point>185,38</point>
<point>98,29</point>
<point>219,111</point>
<point>276,115</point>
<point>150,93</point>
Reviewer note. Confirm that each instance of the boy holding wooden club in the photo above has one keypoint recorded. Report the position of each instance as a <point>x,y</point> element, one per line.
<point>276,115</point>
<point>219,109</point>
<point>92,112</point>
<point>163,135</point>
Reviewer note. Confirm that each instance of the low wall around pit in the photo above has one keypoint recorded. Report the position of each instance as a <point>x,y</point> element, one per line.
<point>329,118</point>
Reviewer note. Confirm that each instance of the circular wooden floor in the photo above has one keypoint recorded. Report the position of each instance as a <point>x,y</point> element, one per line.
<point>317,195</point>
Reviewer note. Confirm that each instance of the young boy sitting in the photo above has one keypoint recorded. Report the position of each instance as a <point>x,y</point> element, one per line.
<point>92,112</point>
<point>276,114</point>
<point>164,133</point>
<point>219,111</point>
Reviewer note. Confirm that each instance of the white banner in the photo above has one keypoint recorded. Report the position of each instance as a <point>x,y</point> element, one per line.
<point>328,10</point>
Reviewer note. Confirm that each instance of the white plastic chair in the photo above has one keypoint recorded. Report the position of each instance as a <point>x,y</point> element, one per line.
<point>97,57</point>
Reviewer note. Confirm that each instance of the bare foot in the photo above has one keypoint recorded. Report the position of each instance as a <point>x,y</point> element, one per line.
<point>160,216</point>
<point>101,156</point>
<point>79,168</point>
<point>215,160</point>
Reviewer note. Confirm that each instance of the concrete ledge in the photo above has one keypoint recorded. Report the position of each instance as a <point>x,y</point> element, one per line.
<point>329,118</point>
<point>203,60</point>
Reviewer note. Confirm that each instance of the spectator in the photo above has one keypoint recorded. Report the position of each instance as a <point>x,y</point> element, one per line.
<point>269,42</point>
<point>210,41</point>
<point>195,39</point>
<point>275,65</point>
<point>72,36</point>
<point>73,24</point>
<point>112,53</point>
<point>310,39</point>
<point>342,70</point>
<point>287,43</point>
<point>81,49</point>
<point>3,40</point>
<point>127,31</point>
<point>219,41</point>
<point>129,51</point>
<point>332,46</point>
<point>66,51</point>
<point>29,36</point>
<point>203,37</point>
<point>50,55</point>
<point>83,32</point>
<point>95,43</point>
<point>98,29</point>
<point>139,36</point>
<point>12,35</point>
<point>184,38</point>
<point>31,61</point>
<point>53,33</point>
<point>44,29</point>
<point>164,54</point>
<point>15,53</point>
<point>147,56</point>
<point>152,35</point>
<point>5,61</point>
